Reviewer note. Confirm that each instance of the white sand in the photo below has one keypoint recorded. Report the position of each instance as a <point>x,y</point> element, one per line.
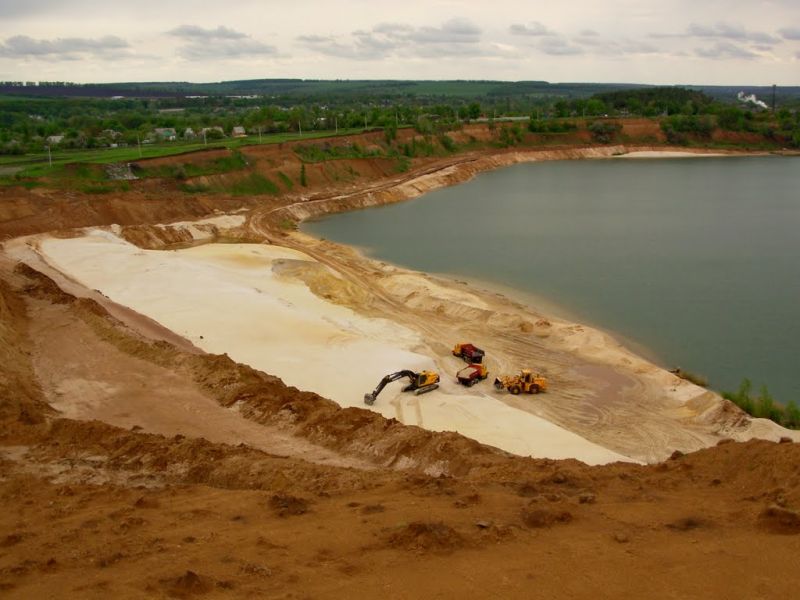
<point>669,154</point>
<point>226,299</point>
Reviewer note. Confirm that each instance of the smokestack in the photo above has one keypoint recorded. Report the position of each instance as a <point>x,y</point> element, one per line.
<point>773,97</point>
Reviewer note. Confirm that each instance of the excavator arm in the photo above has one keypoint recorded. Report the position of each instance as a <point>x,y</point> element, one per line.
<point>370,398</point>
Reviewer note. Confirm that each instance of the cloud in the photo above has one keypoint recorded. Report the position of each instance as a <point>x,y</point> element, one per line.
<point>220,43</point>
<point>790,33</point>
<point>193,32</point>
<point>534,29</point>
<point>730,32</point>
<point>23,46</point>
<point>723,31</point>
<point>722,50</point>
<point>456,37</point>
<point>559,47</point>
<point>610,47</point>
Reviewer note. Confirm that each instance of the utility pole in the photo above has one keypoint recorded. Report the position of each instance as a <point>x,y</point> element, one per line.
<point>300,128</point>
<point>139,143</point>
<point>49,157</point>
<point>336,124</point>
<point>365,121</point>
<point>259,135</point>
<point>205,141</point>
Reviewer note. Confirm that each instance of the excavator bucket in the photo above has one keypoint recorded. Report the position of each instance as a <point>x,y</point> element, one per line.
<point>369,399</point>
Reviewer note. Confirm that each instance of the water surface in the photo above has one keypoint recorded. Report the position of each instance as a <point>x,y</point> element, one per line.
<point>696,259</point>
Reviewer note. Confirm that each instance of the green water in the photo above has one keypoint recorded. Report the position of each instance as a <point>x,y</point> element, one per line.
<point>695,259</point>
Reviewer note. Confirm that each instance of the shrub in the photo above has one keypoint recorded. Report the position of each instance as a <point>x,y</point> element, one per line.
<point>447,143</point>
<point>764,406</point>
<point>285,180</point>
<point>604,131</point>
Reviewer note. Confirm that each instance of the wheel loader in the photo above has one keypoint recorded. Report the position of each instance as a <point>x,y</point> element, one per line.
<point>526,382</point>
<point>419,383</point>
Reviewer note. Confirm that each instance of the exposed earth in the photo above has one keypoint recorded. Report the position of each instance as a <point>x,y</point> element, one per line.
<point>146,452</point>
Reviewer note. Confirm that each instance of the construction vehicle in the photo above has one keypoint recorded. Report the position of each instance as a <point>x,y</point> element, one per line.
<point>526,382</point>
<point>469,353</point>
<point>419,383</point>
<point>472,374</point>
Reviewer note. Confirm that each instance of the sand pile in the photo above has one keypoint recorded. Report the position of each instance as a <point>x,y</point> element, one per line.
<point>243,300</point>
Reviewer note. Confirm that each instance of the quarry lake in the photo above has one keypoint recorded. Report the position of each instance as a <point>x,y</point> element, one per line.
<point>697,260</point>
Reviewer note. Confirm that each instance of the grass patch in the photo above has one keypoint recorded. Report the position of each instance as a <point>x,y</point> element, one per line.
<point>288,183</point>
<point>313,153</point>
<point>235,162</point>
<point>194,188</point>
<point>254,184</point>
<point>37,165</point>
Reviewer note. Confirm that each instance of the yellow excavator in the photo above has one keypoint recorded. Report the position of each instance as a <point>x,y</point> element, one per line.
<point>419,383</point>
<point>526,382</point>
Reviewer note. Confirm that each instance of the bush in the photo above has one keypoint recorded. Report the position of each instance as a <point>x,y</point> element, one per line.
<point>604,131</point>
<point>447,143</point>
<point>764,406</point>
<point>511,135</point>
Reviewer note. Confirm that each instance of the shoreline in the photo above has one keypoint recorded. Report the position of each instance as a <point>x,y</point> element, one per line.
<point>531,301</point>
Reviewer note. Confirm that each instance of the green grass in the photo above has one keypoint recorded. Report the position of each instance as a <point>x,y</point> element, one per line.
<point>764,405</point>
<point>37,165</point>
<point>253,185</point>
<point>285,180</point>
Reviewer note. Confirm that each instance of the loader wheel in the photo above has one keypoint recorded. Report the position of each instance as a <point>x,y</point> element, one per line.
<point>514,389</point>
<point>534,389</point>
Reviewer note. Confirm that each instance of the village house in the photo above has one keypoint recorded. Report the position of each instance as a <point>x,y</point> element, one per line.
<point>54,140</point>
<point>165,133</point>
<point>239,132</point>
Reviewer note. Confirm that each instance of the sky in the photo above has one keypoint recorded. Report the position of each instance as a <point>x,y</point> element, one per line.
<point>722,42</point>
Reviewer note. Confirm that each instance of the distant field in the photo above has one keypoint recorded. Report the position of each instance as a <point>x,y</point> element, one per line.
<point>35,165</point>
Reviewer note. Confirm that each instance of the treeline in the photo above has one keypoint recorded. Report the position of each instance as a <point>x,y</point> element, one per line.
<point>651,102</point>
<point>26,124</point>
<point>764,405</point>
<point>686,116</point>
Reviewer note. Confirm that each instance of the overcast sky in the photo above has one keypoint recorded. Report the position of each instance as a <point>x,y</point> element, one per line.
<point>670,41</point>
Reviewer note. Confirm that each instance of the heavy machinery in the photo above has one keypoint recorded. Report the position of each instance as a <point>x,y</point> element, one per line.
<point>419,383</point>
<point>526,382</point>
<point>472,374</point>
<point>469,353</point>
